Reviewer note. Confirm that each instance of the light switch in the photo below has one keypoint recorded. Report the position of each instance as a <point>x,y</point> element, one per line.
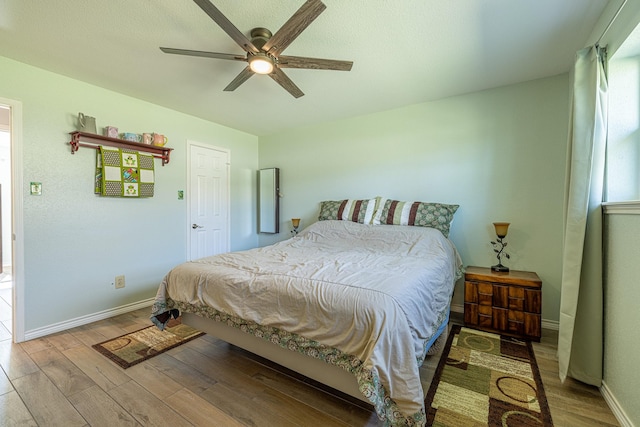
<point>36,188</point>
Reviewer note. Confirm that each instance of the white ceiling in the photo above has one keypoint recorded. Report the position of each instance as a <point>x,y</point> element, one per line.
<point>404,51</point>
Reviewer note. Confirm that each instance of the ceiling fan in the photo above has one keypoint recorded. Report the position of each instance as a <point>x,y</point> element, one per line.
<point>263,51</point>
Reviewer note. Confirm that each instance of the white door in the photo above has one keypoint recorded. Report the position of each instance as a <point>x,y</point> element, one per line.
<point>208,200</point>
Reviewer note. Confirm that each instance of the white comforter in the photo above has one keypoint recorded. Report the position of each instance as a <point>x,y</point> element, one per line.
<point>376,292</point>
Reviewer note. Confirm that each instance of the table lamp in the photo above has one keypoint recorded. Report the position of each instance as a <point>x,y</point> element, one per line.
<point>295,222</point>
<point>499,244</point>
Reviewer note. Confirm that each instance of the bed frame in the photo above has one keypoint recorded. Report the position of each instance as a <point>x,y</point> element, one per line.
<point>323,375</point>
<point>316,369</point>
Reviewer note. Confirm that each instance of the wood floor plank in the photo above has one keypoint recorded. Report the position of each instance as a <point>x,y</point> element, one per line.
<point>317,399</point>
<point>242,408</point>
<point>5,330</point>
<point>101,370</point>
<point>35,345</point>
<point>134,321</point>
<point>61,371</point>
<point>159,384</point>
<point>108,328</point>
<point>223,351</point>
<point>568,419</point>
<point>13,412</point>
<point>147,409</point>
<point>198,411</point>
<point>5,383</point>
<point>63,341</point>
<point>5,308</point>
<point>182,373</point>
<point>87,335</point>
<point>48,406</point>
<point>100,410</point>
<point>560,402</point>
<point>15,361</point>
<point>299,413</point>
<point>222,371</point>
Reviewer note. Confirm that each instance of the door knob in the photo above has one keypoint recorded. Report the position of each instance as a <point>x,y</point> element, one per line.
<point>194,226</point>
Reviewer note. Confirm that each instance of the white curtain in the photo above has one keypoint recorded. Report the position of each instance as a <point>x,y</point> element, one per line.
<point>580,341</point>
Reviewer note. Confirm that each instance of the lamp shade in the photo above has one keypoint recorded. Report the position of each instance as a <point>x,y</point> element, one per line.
<point>501,228</point>
<point>295,222</point>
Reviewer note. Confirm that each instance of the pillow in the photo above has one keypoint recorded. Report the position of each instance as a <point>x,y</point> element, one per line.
<point>360,211</point>
<point>421,214</point>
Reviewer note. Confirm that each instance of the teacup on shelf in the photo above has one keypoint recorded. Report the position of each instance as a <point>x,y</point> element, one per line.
<point>159,140</point>
<point>133,137</point>
<point>111,131</point>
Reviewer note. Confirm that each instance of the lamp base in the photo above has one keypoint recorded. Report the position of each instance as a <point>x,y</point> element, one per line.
<point>500,267</point>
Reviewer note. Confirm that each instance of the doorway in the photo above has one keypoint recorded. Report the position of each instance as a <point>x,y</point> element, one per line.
<point>11,222</point>
<point>6,252</point>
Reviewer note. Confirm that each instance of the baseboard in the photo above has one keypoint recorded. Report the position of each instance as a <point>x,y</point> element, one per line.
<point>615,407</point>
<point>553,325</point>
<point>457,308</point>
<point>84,320</point>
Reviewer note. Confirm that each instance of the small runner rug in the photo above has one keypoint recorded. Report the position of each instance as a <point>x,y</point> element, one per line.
<point>484,379</point>
<point>135,347</point>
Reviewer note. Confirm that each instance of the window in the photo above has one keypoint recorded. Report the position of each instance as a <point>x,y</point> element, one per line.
<point>623,142</point>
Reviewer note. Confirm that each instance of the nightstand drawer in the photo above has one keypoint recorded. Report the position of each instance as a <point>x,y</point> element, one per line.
<point>516,322</point>
<point>485,310</point>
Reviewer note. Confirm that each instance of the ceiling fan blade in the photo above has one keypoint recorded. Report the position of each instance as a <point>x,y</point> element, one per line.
<point>283,80</point>
<point>203,54</point>
<point>294,26</point>
<point>240,78</point>
<point>226,25</point>
<point>313,63</point>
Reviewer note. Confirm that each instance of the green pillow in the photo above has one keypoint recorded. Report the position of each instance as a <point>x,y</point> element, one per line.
<point>360,211</point>
<point>420,214</point>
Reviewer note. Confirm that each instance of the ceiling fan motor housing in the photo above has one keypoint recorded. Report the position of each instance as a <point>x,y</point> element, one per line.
<point>259,36</point>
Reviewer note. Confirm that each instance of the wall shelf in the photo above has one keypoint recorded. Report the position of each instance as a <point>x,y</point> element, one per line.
<point>91,140</point>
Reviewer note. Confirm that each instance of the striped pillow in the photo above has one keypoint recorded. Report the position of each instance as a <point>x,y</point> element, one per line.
<point>421,214</point>
<point>360,211</point>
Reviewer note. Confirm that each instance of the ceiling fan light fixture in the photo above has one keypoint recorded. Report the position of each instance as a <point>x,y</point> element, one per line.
<point>264,48</point>
<point>261,63</point>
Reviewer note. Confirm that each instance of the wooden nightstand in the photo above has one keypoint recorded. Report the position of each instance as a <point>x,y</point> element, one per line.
<point>507,303</point>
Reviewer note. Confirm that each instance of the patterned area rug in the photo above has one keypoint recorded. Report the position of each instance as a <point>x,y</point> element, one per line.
<point>484,379</point>
<point>135,347</point>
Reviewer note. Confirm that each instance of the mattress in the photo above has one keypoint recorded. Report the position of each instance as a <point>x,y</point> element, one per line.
<point>367,298</point>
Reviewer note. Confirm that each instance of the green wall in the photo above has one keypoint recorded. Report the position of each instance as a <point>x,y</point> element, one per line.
<point>500,154</point>
<point>622,293</point>
<point>75,243</point>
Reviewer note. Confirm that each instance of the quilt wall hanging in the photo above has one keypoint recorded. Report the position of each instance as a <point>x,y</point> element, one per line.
<point>123,173</point>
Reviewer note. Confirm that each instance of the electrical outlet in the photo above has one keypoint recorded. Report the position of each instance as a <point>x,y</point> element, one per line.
<point>119,282</point>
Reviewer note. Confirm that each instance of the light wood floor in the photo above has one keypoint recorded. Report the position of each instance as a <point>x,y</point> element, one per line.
<point>60,380</point>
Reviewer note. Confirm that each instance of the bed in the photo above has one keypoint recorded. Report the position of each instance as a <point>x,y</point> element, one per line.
<point>367,301</point>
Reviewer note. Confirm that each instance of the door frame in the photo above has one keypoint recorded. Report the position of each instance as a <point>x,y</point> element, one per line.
<point>191,144</point>
<point>17,219</point>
